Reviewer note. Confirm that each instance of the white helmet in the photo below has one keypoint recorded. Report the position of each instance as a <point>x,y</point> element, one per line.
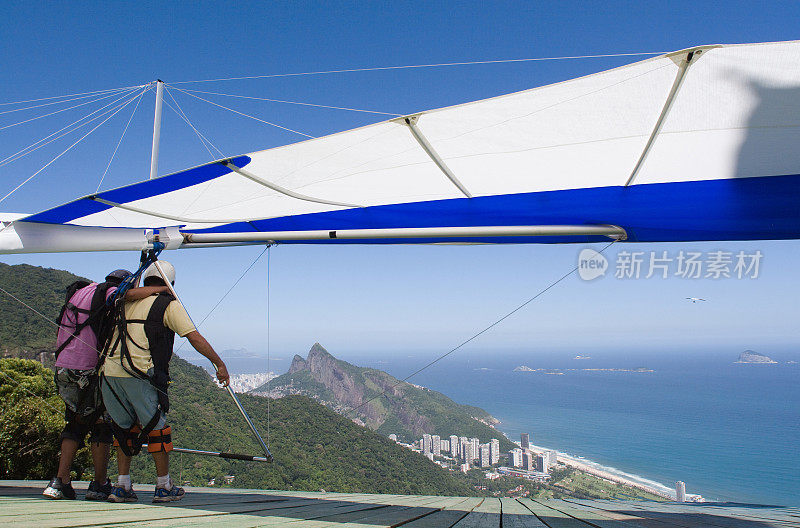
<point>152,271</point>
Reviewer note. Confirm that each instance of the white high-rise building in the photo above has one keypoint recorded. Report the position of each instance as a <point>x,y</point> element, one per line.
<point>553,458</point>
<point>454,445</point>
<point>680,491</point>
<point>542,462</point>
<point>445,445</point>
<point>467,452</point>
<point>436,445</point>
<point>515,457</point>
<point>476,446</point>
<point>528,462</point>
<point>485,458</point>
<point>426,444</point>
<point>494,451</point>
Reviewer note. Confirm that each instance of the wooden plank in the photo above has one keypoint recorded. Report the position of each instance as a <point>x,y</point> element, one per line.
<point>515,515</point>
<point>477,519</point>
<point>550,517</point>
<point>696,517</point>
<point>272,517</point>
<point>452,513</point>
<point>439,519</point>
<point>627,518</point>
<point>130,513</point>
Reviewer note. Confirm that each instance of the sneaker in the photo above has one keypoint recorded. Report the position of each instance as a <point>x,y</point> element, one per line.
<point>120,494</point>
<point>99,492</point>
<point>168,495</point>
<point>58,490</point>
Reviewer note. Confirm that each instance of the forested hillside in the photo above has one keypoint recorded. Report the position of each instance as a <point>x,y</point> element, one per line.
<point>384,403</point>
<point>314,447</point>
<point>24,333</point>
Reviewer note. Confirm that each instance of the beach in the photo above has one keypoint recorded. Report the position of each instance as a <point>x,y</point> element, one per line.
<point>610,474</point>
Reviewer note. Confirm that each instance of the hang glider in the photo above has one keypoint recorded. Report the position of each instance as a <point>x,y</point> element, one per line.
<point>699,144</point>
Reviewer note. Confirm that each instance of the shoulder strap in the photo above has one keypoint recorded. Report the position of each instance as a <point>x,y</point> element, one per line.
<point>159,336</point>
<point>70,293</point>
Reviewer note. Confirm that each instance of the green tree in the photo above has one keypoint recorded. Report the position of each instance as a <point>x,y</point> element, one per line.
<point>31,421</point>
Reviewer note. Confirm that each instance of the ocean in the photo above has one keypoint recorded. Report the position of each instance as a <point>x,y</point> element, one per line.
<point>730,431</point>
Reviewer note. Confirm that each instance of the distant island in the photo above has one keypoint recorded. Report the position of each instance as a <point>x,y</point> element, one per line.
<point>583,357</point>
<point>748,356</point>
<point>560,372</point>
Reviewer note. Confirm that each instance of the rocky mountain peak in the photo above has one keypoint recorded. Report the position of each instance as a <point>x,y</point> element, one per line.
<point>298,363</point>
<point>318,351</point>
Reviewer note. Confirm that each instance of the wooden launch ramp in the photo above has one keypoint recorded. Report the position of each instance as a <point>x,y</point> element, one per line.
<point>21,504</point>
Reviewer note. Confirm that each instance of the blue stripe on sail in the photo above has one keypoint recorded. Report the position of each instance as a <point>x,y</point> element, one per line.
<point>172,182</point>
<point>729,209</point>
<point>726,209</point>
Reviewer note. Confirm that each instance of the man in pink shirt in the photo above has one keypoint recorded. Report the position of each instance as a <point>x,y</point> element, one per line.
<point>82,326</point>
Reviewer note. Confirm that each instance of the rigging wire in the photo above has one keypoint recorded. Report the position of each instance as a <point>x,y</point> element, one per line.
<point>225,295</point>
<point>442,64</point>
<point>203,139</point>
<point>480,333</point>
<point>53,103</point>
<point>269,314</point>
<point>33,146</point>
<point>70,95</point>
<point>294,102</point>
<point>64,109</point>
<point>120,90</point>
<point>141,95</point>
<point>243,114</point>
<point>15,189</point>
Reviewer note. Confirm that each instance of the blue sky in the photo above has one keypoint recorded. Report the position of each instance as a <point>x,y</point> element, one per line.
<point>379,300</point>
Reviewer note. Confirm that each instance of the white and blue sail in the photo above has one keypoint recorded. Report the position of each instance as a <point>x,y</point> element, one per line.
<point>700,144</point>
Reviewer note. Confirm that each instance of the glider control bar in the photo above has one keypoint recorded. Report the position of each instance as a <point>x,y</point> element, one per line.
<point>611,231</point>
<point>283,190</point>
<point>268,455</point>
<point>229,456</point>
<point>428,148</point>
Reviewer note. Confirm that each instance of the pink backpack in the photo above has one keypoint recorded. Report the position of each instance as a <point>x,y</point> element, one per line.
<point>82,328</point>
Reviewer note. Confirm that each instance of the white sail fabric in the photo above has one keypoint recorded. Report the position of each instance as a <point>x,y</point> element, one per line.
<point>558,154</point>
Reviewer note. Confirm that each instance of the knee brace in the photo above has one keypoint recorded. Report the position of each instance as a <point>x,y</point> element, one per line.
<point>101,433</point>
<point>160,440</point>
<point>128,440</point>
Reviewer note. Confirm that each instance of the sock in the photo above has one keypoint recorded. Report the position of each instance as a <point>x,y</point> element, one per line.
<point>124,481</point>
<point>163,482</point>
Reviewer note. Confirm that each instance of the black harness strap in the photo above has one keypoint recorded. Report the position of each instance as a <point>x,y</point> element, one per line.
<point>97,313</point>
<point>160,342</point>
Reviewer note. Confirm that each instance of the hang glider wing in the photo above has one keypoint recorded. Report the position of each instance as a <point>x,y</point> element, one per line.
<point>700,144</point>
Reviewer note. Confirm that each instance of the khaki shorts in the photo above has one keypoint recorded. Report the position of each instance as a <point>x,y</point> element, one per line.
<point>130,401</point>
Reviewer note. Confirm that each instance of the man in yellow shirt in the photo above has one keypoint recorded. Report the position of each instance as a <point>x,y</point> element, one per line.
<point>135,377</point>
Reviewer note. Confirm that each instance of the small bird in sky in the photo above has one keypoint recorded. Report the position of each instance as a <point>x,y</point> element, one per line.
<point>694,299</point>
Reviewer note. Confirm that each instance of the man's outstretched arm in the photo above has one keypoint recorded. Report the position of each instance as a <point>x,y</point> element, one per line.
<point>204,347</point>
<point>134,294</point>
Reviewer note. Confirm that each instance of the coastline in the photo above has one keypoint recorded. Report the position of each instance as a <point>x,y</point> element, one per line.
<point>608,473</point>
